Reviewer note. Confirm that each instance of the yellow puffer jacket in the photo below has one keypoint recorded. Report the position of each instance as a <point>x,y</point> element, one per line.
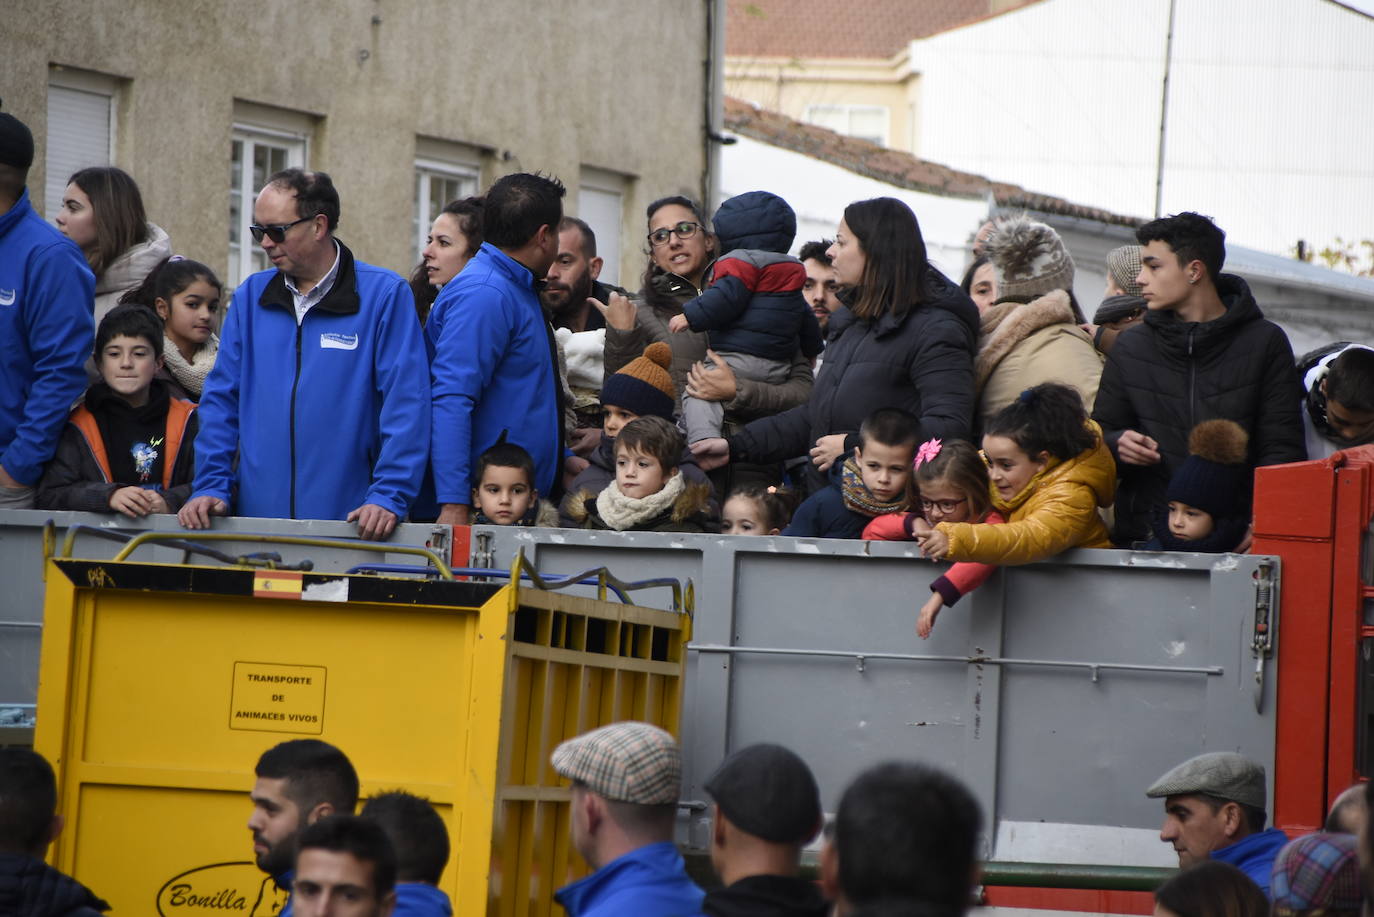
<point>1055,511</point>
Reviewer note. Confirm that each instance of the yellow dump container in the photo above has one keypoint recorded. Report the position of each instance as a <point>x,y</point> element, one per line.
<point>161,685</point>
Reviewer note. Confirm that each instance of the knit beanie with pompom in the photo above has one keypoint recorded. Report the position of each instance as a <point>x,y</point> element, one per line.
<point>1215,477</point>
<point>643,386</point>
<point>1030,259</point>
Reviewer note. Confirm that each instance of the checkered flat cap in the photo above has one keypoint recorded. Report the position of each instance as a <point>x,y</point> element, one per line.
<point>627,762</point>
<point>1318,871</point>
<point>1223,774</point>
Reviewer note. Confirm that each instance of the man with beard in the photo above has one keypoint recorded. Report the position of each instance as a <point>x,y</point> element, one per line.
<point>299,782</point>
<point>570,285</point>
<point>572,280</point>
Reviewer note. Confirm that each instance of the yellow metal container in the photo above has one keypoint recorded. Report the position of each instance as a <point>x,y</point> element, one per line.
<point>161,685</point>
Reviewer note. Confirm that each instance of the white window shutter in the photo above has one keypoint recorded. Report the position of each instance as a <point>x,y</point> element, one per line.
<point>78,136</point>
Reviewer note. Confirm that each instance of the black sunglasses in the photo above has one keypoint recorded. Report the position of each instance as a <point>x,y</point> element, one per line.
<point>277,231</point>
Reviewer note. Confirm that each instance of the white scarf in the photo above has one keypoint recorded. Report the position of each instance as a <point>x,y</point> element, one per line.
<point>621,513</point>
<point>191,375</point>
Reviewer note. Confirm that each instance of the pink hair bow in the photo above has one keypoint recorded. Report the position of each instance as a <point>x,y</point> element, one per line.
<point>929,449</point>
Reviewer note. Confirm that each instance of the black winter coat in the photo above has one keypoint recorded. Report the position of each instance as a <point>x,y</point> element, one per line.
<point>921,362</point>
<point>1164,376</point>
<point>31,888</point>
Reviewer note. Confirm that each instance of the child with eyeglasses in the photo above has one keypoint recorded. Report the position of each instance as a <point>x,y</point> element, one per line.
<point>952,480</point>
<point>1049,472</point>
<point>752,310</point>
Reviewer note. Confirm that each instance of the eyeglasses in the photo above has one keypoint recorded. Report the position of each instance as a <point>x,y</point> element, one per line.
<point>276,231</point>
<point>684,230</point>
<point>944,506</point>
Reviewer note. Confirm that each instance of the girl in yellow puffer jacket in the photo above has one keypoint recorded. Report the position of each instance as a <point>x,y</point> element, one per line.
<point>1049,472</point>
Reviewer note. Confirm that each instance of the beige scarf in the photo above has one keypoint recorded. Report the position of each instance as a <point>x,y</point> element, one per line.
<point>191,376</point>
<point>1007,324</point>
<point>621,513</point>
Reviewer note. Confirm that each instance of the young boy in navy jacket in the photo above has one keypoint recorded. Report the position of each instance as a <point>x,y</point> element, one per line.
<point>873,481</point>
<point>754,308</point>
<point>128,447</point>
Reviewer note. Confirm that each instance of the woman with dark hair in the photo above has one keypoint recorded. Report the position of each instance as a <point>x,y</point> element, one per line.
<point>980,283</point>
<point>102,212</point>
<point>681,250</point>
<point>454,238</point>
<point>1211,889</point>
<point>903,338</point>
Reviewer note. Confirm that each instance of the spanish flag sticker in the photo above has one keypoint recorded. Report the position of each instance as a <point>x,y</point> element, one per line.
<point>277,584</point>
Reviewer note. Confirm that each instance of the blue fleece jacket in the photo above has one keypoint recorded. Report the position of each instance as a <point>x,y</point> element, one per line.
<point>1254,855</point>
<point>47,296</point>
<point>492,370</point>
<point>419,899</point>
<point>649,882</point>
<point>326,415</point>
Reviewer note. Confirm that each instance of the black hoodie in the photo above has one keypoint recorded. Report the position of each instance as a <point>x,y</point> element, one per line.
<point>766,896</point>
<point>1165,376</point>
<point>31,888</point>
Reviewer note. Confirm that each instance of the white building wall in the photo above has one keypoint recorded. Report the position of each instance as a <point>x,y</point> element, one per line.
<point>1267,129</point>
<point>819,192</point>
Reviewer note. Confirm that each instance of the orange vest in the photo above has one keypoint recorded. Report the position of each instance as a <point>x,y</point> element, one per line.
<point>178,413</point>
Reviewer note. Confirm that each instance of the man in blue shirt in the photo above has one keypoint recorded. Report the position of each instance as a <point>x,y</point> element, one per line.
<point>1214,808</point>
<point>46,329</point>
<point>299,782</point>
<point>494,364</point>
<point>625,781</point>
<point>319,386</point>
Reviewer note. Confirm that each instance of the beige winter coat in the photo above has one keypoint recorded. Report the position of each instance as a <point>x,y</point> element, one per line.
<point>1022,345</point>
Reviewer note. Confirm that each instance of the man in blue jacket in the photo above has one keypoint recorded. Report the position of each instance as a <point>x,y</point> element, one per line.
<point>625,783</point>
<point>47,294</point>
<point>320,383</point>
<point>1214,808</point>
<point>494,359</point>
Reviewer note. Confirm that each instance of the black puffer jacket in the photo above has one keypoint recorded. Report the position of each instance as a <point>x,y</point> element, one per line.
<point>1165,376</point>
<point>921,362</point>
<point>31,888</point>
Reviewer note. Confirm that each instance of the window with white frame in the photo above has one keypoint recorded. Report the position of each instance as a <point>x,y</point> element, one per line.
<point>601,204</point>
<point>263,141</point>
<point>81,128</point>
<point>866,122</point>
<point>444,171</point>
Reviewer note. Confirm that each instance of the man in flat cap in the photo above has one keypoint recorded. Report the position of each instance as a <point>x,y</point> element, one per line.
<point>625,780</point>
<point>1214,808</point>
<point>767,808</point>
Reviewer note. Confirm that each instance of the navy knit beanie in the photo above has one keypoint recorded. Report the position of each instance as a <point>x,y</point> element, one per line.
<point>1215,476</point>
<point>16,143</point>
<point>643,385</point>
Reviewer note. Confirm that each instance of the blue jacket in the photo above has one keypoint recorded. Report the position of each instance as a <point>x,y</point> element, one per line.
<point>419,899</point>
<point>824,515</point>
<point>648,882</point>
<point>326,415</point>
<point>1254,855</point>
<point>492,370</point>
<point>47,296</point>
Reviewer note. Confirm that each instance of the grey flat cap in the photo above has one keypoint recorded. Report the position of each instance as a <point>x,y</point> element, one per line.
<point>1223,774</point>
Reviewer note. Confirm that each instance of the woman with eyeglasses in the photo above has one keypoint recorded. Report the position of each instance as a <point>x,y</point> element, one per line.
<point>681,250</point>
<point>102,212</point>
<point>904,337</point>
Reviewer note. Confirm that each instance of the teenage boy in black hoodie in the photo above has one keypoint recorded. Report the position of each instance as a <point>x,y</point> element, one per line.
<point>128,447</point>
<point>1204,351</point>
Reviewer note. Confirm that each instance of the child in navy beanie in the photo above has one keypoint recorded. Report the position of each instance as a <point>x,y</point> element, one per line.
<point>1208,498</point>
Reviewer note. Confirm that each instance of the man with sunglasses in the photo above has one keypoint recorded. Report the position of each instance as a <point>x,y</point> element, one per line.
<point>320,386</point>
